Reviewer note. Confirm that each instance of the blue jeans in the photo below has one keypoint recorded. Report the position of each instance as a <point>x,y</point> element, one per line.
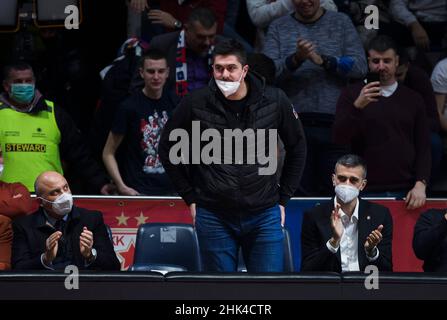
<point>259,235</point>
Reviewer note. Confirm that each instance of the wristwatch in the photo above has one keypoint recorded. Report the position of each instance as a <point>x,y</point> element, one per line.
<point>93,256</point>
<point>178,24</point>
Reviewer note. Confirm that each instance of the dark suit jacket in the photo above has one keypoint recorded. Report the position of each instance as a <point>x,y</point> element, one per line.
<point>316,231</point>
<point>31,232</point>
<point>430,240</point>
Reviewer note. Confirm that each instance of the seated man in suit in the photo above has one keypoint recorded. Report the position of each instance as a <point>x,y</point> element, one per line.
<point>60,234</point>
<point>15,200</point>
<point>347,233</point>
<point>430,240</point>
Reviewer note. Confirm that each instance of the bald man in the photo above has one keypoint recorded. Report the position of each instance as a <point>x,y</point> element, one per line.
<point>60,234</point>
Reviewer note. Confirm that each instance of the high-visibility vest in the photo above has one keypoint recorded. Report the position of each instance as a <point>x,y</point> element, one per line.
<point>29,144</point>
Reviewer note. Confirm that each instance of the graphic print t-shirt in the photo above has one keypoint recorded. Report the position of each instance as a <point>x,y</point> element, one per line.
<point>141,119</point>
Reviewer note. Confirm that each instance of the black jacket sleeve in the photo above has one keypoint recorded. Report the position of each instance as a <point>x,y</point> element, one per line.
<point>76,153</point>
<point>22,257</point>
<point>385,260</point>
<point>429,233</point>
<point>292,135</point>
<point>315,254</point>
<point>106,258</point>
<point>178,173</point>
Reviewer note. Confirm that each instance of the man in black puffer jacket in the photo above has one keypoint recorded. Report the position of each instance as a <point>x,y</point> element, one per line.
<point>226,159</point>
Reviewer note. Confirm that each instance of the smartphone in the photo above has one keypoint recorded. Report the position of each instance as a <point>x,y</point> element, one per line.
<point>372,77</point>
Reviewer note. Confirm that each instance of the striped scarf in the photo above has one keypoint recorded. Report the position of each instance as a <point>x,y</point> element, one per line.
<point>181,71</point>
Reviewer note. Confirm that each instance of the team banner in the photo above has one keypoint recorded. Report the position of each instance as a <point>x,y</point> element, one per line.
<point>125,215</point>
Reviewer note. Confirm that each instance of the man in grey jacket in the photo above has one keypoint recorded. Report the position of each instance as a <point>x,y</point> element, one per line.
<point>263,12</point>
<point>314,60</point>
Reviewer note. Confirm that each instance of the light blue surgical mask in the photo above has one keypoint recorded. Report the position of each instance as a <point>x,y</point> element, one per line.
<point>22,92</point>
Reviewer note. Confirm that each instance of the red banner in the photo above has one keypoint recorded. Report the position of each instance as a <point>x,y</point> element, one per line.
<point>124,216</point>
<point>404,259</point>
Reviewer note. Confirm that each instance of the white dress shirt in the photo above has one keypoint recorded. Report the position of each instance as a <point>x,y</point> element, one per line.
<point>349,241</point>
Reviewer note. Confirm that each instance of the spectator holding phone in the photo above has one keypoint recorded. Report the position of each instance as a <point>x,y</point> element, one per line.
<point>385,123</point>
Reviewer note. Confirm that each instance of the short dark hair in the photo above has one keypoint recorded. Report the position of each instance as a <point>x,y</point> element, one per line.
<point>19,66</point>
<point>352,161</point>
<point>205,16</point>
<point>153,54</point>
<point>262,65</point>
<point>233,47</point>
<point>382,43</point>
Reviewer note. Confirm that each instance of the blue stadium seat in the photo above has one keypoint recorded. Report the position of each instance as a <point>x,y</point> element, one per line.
<point>288,256</point>
<point>166,247</point>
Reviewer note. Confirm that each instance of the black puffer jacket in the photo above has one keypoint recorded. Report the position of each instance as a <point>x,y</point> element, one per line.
<point>236,188</point>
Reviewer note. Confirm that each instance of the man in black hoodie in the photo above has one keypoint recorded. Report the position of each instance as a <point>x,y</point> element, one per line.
<point>239,202</point>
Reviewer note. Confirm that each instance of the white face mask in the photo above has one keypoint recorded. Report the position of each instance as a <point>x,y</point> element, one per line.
<point>228,87</point>
<point>63,204</point>
<point>346,193</point>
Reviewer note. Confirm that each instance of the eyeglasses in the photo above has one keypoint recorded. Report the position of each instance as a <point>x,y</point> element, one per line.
<point>353,180</point>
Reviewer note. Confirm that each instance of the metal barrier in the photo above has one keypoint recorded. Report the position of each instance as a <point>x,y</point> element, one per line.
<point>127,285</point>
